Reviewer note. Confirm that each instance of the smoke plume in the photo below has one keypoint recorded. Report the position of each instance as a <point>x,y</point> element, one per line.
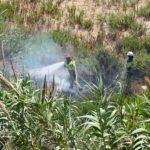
<point>42,56</point>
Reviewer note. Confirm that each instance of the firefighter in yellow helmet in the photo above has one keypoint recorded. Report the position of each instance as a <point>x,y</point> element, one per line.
<point>71,66</point>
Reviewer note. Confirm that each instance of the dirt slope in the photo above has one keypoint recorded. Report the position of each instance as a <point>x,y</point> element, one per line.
<point>33,17</point>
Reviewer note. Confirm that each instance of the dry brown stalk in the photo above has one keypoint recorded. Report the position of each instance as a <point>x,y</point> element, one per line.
<point>13,69</point>
<point>52,89</point>
<point>3,54</point>
<point>44,90</point>
<point>4,109</point>
<point>7,84</point>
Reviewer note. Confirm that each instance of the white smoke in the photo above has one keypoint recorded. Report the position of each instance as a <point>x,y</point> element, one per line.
<point>57,70</point>
<point>42,56</point>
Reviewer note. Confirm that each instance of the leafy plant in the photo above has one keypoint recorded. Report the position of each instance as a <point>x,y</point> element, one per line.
<point>101,121</point>
<point>120,22</point>
<point>144,12</point>
<point>8,10</point>
<point>133,44</point>
<point>63,37</point>
<point>141,64</point>
<point>71,10</point>
<point>50,7</point>
<point>88,24</point>
<point>109,66</point>
<point>101,18</point>
<point>77,18</point>
<point>137,29</point>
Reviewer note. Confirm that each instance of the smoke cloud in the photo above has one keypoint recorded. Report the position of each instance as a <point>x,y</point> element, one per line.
<point>40,51</point>
<point>42,56</point>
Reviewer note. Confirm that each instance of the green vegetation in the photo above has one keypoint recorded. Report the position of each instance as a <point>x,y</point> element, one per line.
<point>137,29</point>
<point>140,47</point>
<point>134,44</point>
<point>77,18</point>
<point>59,122</point>
<point>101,18</point>
<point>71,10</point>
<point>88,24</point>
<point>100,119</point>
<point>51,8</point>
<point>8,10</point>
<point>125,22</point>
<point>141,64</point>
<point>74,17</point>
<point>108,65</point>
<point>64,38</point>
<point>120,22</point>
<point>134,2</point>
<point>144,12</point>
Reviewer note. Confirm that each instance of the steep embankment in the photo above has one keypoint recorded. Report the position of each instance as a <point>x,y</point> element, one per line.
<point>119,26</point>
<point>89,20</point>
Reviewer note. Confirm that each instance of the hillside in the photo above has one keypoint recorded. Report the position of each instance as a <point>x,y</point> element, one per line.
<point>117,26</point>
<point>99,100</point>
<point>89,20</point>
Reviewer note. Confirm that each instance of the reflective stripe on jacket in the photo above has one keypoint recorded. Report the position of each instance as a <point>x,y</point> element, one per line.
<point>70,65</point>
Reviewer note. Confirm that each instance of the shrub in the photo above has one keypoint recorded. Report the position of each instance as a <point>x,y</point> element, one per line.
<point>51,8</point>
<point>77,18</point>
<point>127,44</point>
<point>71,10</point>
<point>137,29</point>
<point>88,24</point>
<point>109,65</point>
<point>144,12</point>
<point>146,44</point>
<point>63,37</point>
<point>141,64</point>
<point>101,18</point>
<point>133,44</point>
<point>8,10</point>
<point>102,121</point>
<point>120,22</point>
<point>134,2</point>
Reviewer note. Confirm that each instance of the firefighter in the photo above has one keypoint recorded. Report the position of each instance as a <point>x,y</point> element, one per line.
<point>129,72</point>
<point>71,66</point>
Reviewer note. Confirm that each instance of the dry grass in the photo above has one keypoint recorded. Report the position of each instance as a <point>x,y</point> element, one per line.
<point>34,19</point>
<point>7,84</point>
<point>4,109</point>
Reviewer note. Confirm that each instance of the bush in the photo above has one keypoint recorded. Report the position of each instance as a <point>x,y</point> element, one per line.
<point>101,18</point>
<point>133,44</point>
<point>134,2</point>
<point>137,29</point>
<point>146,44</point>
<point>71,10</point>
<point>104,121</point>
<point>141,64</point>
<point>120,22</point>
<point>109,65</point>
<point>63,37</point>
<point>144,12</point>
<point>88,24</point>
<point>77,19</point>
<point>51,8</point>
<point>8,10</point>
<point>128,44</point>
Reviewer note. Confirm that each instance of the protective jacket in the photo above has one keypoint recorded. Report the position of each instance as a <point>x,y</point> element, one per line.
<point>71,65</point>
<point>130,66</point>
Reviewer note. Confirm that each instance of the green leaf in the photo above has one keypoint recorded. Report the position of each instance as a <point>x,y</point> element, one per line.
<point>139,130</point>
